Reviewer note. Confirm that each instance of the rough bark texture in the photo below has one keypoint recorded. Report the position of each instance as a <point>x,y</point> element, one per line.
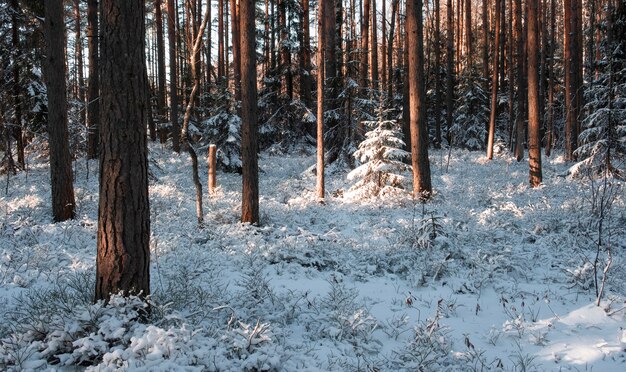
<point>494,85</point>
<point>221,71</point>
<point>171,33</point>
<point>419,133</point>
<point>305,59</point>
<point>519,61</point>
<point>236,38</point>
<point>123,259</point>
<point>374,48</point>
<point>437,103</point>
<point>534,122</point>
<point>93,88</point>
<point>60,160</point>
<point>285,55</point>
<point>79,61</point>
<point>249,125</point>
<point>394,11</point>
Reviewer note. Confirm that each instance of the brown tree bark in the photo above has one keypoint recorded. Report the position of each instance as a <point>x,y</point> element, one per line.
<point>171,33</point>
<point>450,71</point>
<point>236,39</point>
<point>485,21</point>
<point>550,67</point>
<point>160,58</point>
<point>365,22</point>
<point>437,103</point>
<point>249,125</point>
<point>494,84</point>
<point>79,61</point>
<point>221,70</point>
<point>534,122</point>
<point>394,11</point>
<point>374,48</point>
<point>305,57</point>
<point>322,19</point>
<point>63,203</point>
<point>93,88</point>
<point>419,133</point>
<point>519,61</point>
<point>123,261</point>
<point>468,34</point>
<point>383,47</point>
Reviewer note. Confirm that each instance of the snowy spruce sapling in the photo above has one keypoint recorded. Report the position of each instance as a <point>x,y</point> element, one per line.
<point>381,158</point>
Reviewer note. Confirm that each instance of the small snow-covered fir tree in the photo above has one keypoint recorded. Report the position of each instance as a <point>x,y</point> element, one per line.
<point>380,156</point>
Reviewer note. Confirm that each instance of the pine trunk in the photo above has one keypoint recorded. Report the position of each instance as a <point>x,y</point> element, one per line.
<point>534,122</point>
<point>123,260</point>
<point>494,84</point>
<point>93,89</point>
<point>63,203</point>
<point>171,33</point>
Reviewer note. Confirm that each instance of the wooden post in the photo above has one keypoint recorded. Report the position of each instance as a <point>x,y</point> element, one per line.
<point>212,166</point>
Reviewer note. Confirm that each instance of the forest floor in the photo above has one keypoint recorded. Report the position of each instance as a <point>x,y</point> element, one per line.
<point>488,275</point>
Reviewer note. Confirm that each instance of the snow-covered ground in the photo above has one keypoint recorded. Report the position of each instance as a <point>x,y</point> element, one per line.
<point>488,275</point>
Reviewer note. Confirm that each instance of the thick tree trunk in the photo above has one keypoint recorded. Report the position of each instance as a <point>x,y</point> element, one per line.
<point>123,261</point>
<point>79,62</point>
<point>494,84</point>
<point>419,133</point>
<point>171,33</point>
<point>93,89</point>
<point>249,126</point>
<point>534,122</point>
<point>63,203</point>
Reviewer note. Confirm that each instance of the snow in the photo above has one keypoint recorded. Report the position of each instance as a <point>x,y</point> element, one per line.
<point>489,275</point>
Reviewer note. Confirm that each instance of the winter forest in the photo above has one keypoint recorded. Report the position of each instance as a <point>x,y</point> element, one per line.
<point>313,185</point>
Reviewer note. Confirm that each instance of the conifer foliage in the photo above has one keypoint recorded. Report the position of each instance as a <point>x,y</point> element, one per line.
<point>381,157</point>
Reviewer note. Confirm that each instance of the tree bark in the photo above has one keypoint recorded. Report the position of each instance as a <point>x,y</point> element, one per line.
<point>123,261</point>
<point>519,60</point>
<point>160,58</point>
<point>249,126</point>
<point>17,126</point>
<point>171,33</point>
<point>93,89</point>
<point>236,38</point>
<point>437,103</point>
<point>79,61</point>
<point>305,58</point>
<point>365,22</point>
<point>374,48</point>
<point>394,11</point>
<point>419,133</point>
<point>221,70</point>
<point>63,203</point>
<point>494,84</point>
<point>450,71</point>
<point>383,47</point>
<point>534,115</point>
<point>321,19</point>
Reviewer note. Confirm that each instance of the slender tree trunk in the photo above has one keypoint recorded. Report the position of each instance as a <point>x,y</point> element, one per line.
<point>93,91</point>
<point>285,54</point>
<point>468,33</point>
<point>171,32</point>
<point>17,126</point>
<point>374,48</point>
<point>79,61</point>
<point>384,47</point>
<point>221,70</point>
<point>123,261</point>
<point>419,133</point>
<point>196,39</point>
<point>249,126</point>
<point>364,47</point>
<point>63,203</point>
<point>485,21</point>
<point>160,58</point>
<point>322,19</point>
<point>236,38</point>
<point>394,11</point>
<point>534,122</point>
<point>519,118</point>
<point>305,77</point>
<point>437,103</point>
<point>450,71</point>
<point>550,130</point>
<point>510,71</point>
<point>494,84</point>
